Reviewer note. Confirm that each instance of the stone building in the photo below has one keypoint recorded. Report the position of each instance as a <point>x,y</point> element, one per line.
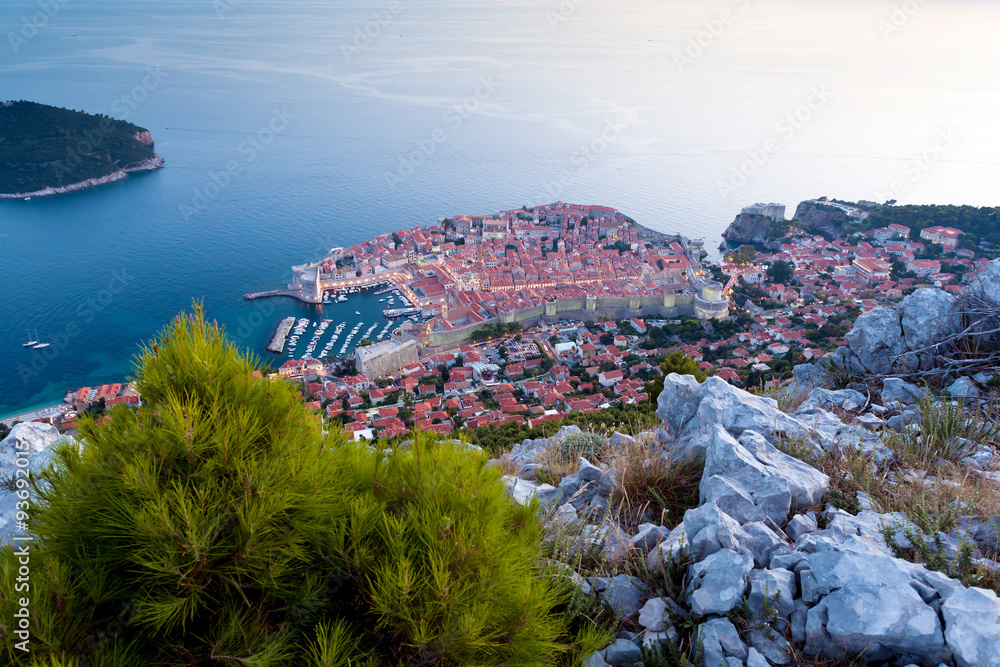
<point>382,359</point>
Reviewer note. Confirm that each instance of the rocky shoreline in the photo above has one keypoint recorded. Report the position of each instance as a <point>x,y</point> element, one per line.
<point>152,164</point>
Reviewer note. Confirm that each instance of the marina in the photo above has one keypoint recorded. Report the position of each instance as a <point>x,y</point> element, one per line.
<point>334,327</point>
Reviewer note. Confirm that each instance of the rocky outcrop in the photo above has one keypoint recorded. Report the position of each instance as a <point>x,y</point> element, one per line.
<point>820,217</point>
<point>911,337</point>
<point>750,229</point>
<point>826,580</point>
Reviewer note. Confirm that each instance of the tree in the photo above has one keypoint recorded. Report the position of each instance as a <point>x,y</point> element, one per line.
<point>364,342</point>
<point>675,362</point>
<point>219,521</point>
<point>746,254</point>
<point>780,272</point>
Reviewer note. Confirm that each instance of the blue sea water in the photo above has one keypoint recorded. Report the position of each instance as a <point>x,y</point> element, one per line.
<point>292,127</point>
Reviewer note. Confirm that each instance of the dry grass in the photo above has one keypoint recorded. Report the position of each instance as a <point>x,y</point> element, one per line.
<point>507,466</point>
<point>652,487</point>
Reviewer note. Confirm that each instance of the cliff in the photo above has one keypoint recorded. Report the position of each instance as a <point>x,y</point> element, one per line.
<point>821,218</point>
<point>47,150</point>
<point>752,228</point>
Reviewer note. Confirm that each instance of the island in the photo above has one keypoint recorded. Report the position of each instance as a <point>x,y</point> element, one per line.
<point>46,150</point>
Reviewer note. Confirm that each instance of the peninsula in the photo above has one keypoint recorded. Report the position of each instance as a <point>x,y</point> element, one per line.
<point>46,150</point>
<point>523,265</point>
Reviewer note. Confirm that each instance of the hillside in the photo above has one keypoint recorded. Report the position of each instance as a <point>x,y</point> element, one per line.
<point>44,147</point>
<point>981,223</point>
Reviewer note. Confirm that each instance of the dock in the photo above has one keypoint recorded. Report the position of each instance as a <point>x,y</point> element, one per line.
<point>250,296</point>
<point>277,344</point>
<point>400,312</point>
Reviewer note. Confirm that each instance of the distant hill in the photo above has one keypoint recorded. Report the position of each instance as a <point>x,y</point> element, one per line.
<point>49,150</point>
<point>979,223</point>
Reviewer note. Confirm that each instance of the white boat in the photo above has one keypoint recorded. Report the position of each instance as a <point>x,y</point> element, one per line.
<point>31,342</point>
<point>39,346</point>
<point>357,312</point>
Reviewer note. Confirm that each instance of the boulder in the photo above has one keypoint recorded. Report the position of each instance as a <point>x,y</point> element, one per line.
<point>984,292</point>
<point>689,409</point>
<point>623,595</point>
<point>972,627</point>
<point>752,480</point>
<point>762,541</point>
<point>755,659</point>
<point>709,529</point>
<point>719,640</point>
<point>800,525</point>
<point>648,537</point>
<point>717,584</point>
<point>653,615</point>
<point>622,652</point>
<point>778,586</point>
<point>965,388</point>
<point>927,317</point>
<point>845,399</point>
<point>806,377</point>
<point>876,341</point>
<point>669,550</point>
<point>868,604</point>
<point>522,490</point>
<point>897,392</point>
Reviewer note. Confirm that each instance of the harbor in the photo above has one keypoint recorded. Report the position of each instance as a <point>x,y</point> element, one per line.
<point>343,319</point>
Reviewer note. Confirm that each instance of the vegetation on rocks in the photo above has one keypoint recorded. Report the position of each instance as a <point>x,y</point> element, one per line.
<point>217,525</point>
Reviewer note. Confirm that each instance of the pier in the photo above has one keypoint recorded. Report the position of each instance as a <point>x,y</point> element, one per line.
<point>250,296</point>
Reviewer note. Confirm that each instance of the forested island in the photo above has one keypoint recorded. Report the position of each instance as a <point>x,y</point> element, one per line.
<point>46,150</point>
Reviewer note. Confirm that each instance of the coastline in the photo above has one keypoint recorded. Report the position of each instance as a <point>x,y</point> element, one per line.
<point>152,164</point>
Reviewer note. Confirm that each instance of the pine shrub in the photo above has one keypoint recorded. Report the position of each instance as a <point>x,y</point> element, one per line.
<point>217,526</point>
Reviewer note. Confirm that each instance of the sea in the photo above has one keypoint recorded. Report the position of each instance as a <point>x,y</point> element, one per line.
<point>292,127</point>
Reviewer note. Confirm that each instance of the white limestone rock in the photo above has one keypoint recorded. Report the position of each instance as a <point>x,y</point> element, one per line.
<point>877,340</point>
<point>717,584</point>
<point>972,627</point>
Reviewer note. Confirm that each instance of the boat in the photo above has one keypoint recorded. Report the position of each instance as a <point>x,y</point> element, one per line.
<point>30,343</point>
<point>39,346</point>
<point>357,312</point>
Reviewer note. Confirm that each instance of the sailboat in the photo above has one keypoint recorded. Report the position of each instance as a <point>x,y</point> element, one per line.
<point>39,345</point>
<point>30,343</point>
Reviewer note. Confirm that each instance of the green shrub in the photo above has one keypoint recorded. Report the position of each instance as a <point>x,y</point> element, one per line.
<point>215,526</point>
<point>588,445</point>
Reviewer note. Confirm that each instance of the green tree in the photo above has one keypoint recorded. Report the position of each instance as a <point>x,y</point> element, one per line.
<point>675,362</point>
<point>227,531</point>
<point>781,272</point>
